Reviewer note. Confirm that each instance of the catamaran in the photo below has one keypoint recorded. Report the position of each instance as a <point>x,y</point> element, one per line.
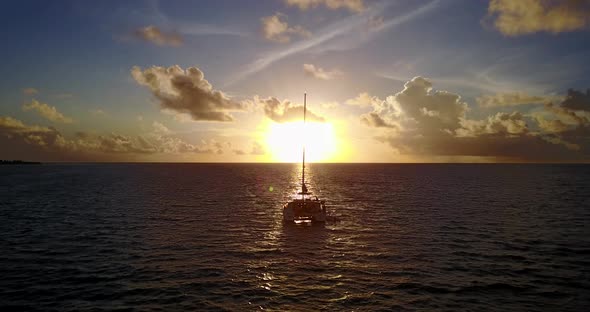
<point>304,207</point>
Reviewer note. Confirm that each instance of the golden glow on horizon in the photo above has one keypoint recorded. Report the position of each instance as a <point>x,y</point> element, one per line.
<point>284,142</point>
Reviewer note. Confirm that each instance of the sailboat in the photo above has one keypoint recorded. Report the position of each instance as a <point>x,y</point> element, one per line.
<point>304,207</point>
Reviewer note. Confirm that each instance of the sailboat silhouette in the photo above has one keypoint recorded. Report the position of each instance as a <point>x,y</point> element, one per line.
<point>304,208</point>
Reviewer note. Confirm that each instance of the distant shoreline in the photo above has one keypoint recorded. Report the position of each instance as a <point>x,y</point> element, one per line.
<point>18,162</point>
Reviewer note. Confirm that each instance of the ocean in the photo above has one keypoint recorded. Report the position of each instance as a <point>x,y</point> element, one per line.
<point>209,237</point>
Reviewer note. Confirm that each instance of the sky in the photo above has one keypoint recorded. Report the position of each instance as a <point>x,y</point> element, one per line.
<point>224,81</point>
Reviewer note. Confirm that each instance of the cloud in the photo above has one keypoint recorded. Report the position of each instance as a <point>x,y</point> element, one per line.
<point>277,30</point>
<point>150,143</point>
<point>285,111</point>
<point>320,73</point>
<point>567,115</point>
<point>32,141</point>
<point>37,135</point>
<point>329,105</point>
<point>511,99</point>
<point>257,149</point>
<point>48,142</point>
<point>364,99</point>
<point>514,18</point>
<point>193,29</point>
<point>48,112</point>
<point>380,107</point>
<point>373,119</point>
<point>577,100</point>
<point>186,91</point>
<point>345,26</point>
<point>565,126</point>
<point>375,23</point>
<point>162,140</point>
<point>475,82</point>
<point>160,128</point>
<point>30,91</point>
<point>351,5</point>
<point>421,121</point>
<point>569,121</point>
<point>112,143</point>
<point>152,14</point>
<point>419,108</point>
<point>50,139</point>
<point>172,145</point>
<point>500,123</point>
<point>156,36</point>
<point>522,148</point>
<point>551,125</point>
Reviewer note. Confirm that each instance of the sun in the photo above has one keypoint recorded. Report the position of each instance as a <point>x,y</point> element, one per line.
<point>286,140</point>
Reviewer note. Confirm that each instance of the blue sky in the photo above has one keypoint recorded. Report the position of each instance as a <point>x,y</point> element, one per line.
<point>78,57</point>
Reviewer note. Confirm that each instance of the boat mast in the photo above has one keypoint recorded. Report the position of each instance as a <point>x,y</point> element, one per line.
<point>303,188</point>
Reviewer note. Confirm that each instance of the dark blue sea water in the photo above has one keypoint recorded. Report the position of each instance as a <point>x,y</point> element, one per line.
<point>91,237</point>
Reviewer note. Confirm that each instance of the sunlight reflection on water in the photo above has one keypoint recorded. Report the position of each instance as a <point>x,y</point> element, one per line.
<point>211,237</point>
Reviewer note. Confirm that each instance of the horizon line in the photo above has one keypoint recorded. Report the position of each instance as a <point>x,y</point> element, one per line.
<point>315,163</point>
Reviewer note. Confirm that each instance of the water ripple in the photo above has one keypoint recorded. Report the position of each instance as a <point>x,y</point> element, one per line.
<point>210,237</point>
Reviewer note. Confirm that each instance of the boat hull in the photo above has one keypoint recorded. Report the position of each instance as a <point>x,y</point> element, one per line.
<point>308,210</point>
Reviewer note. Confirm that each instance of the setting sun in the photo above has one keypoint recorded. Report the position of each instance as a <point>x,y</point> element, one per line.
<point>295,155</point>
<point>284,141</point>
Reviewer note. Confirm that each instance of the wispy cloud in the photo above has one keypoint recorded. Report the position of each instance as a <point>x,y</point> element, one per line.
<point>190,28</point>
<point>193,29</point>
<point>513,99</point>
<point>351,5</point>
<point>336,29</point>
<point>153,15</point>
<point>483,80</point>
<point>471,82</point>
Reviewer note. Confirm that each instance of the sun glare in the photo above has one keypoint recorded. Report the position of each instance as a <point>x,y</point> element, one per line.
<point>285,141</point>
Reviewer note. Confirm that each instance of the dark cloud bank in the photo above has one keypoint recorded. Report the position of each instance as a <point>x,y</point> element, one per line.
<point>31,142</point>
<point>419,120</point>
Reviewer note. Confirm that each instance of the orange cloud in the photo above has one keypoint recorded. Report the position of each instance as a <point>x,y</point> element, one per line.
<point>274,28</point>
<point>285,111</point>
<point>320,73</point>
<point>351,5</point>
<point>513,18</point>
<point>156,36</point>
<point>48,112</point>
